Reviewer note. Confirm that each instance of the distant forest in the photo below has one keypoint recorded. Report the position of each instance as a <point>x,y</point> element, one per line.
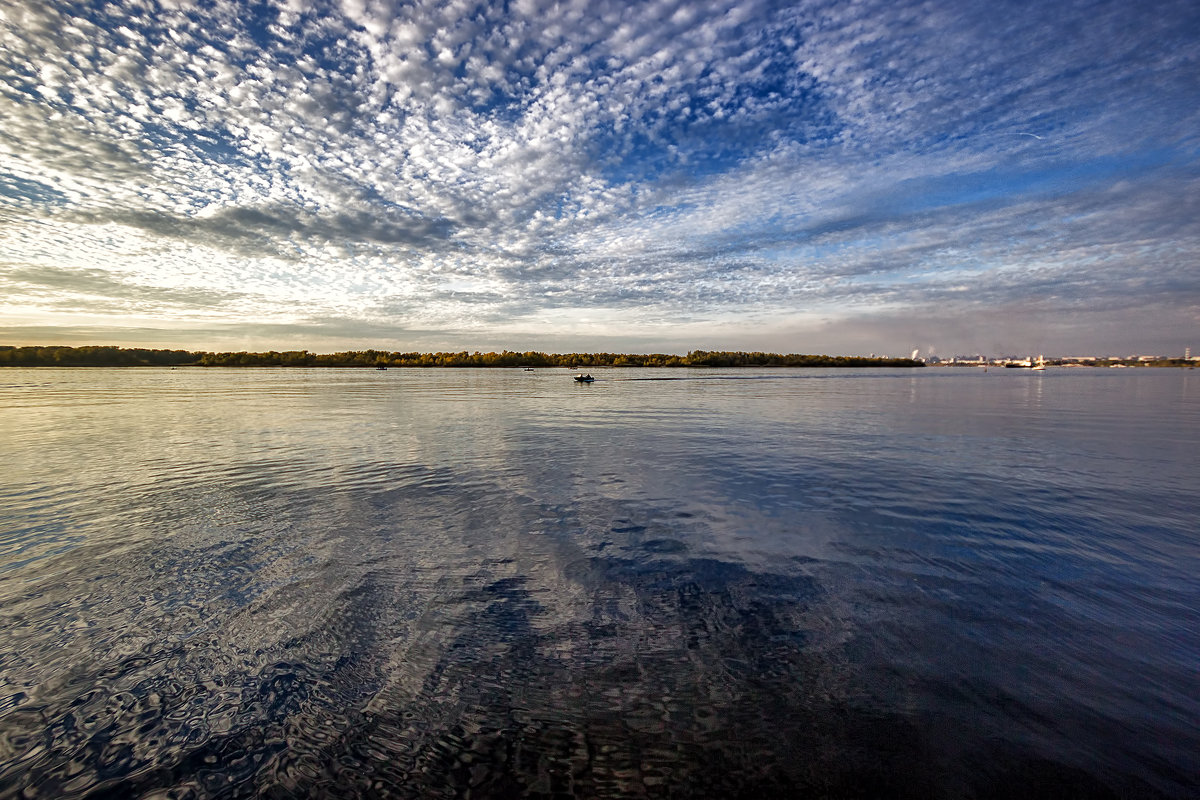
<point>100,356</point>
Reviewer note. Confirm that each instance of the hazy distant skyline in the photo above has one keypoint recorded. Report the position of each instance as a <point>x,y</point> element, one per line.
<point>582,176</point>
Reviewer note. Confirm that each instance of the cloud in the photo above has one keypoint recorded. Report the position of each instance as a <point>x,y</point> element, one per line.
<point>454,166</point>
<point>99,291</point>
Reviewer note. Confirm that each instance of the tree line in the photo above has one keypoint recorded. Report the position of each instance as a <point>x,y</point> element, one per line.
<point>106,356</point>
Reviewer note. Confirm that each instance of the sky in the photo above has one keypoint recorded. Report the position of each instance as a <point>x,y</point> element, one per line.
<point>661,176</point>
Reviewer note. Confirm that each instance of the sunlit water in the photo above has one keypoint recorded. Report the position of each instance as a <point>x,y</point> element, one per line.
<point>446,583</point>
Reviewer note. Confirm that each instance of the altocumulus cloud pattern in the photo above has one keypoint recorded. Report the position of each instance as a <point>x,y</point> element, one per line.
<point>552,173</point>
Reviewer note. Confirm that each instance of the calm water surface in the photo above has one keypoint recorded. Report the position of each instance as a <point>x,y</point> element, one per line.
<point>447,583</point>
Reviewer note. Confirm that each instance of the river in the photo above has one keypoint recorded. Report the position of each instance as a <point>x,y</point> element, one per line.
<point>270,583</point>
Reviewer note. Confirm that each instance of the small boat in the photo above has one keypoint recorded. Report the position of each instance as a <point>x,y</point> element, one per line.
<point>381,366</point>
<point>1040,364</point>
<point>582,378</point>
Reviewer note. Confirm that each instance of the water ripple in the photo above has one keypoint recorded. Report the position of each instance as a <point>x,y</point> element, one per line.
<point>436,584</point>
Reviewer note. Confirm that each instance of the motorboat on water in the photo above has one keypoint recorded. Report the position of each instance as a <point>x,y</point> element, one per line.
<point>584,378</point>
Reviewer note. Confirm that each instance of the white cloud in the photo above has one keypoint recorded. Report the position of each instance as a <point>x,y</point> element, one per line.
<point>658,158</point>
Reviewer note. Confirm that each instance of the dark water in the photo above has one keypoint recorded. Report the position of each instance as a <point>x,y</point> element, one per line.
<point>444,583</point>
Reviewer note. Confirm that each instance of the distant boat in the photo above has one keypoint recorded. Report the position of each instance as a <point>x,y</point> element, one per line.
<point>381,366</point>
<point>582,378</point>
<point>1041,363</point>
<point>1018,364</point>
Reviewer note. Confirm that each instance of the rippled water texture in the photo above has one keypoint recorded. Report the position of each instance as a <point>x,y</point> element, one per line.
<point>445,583</point>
